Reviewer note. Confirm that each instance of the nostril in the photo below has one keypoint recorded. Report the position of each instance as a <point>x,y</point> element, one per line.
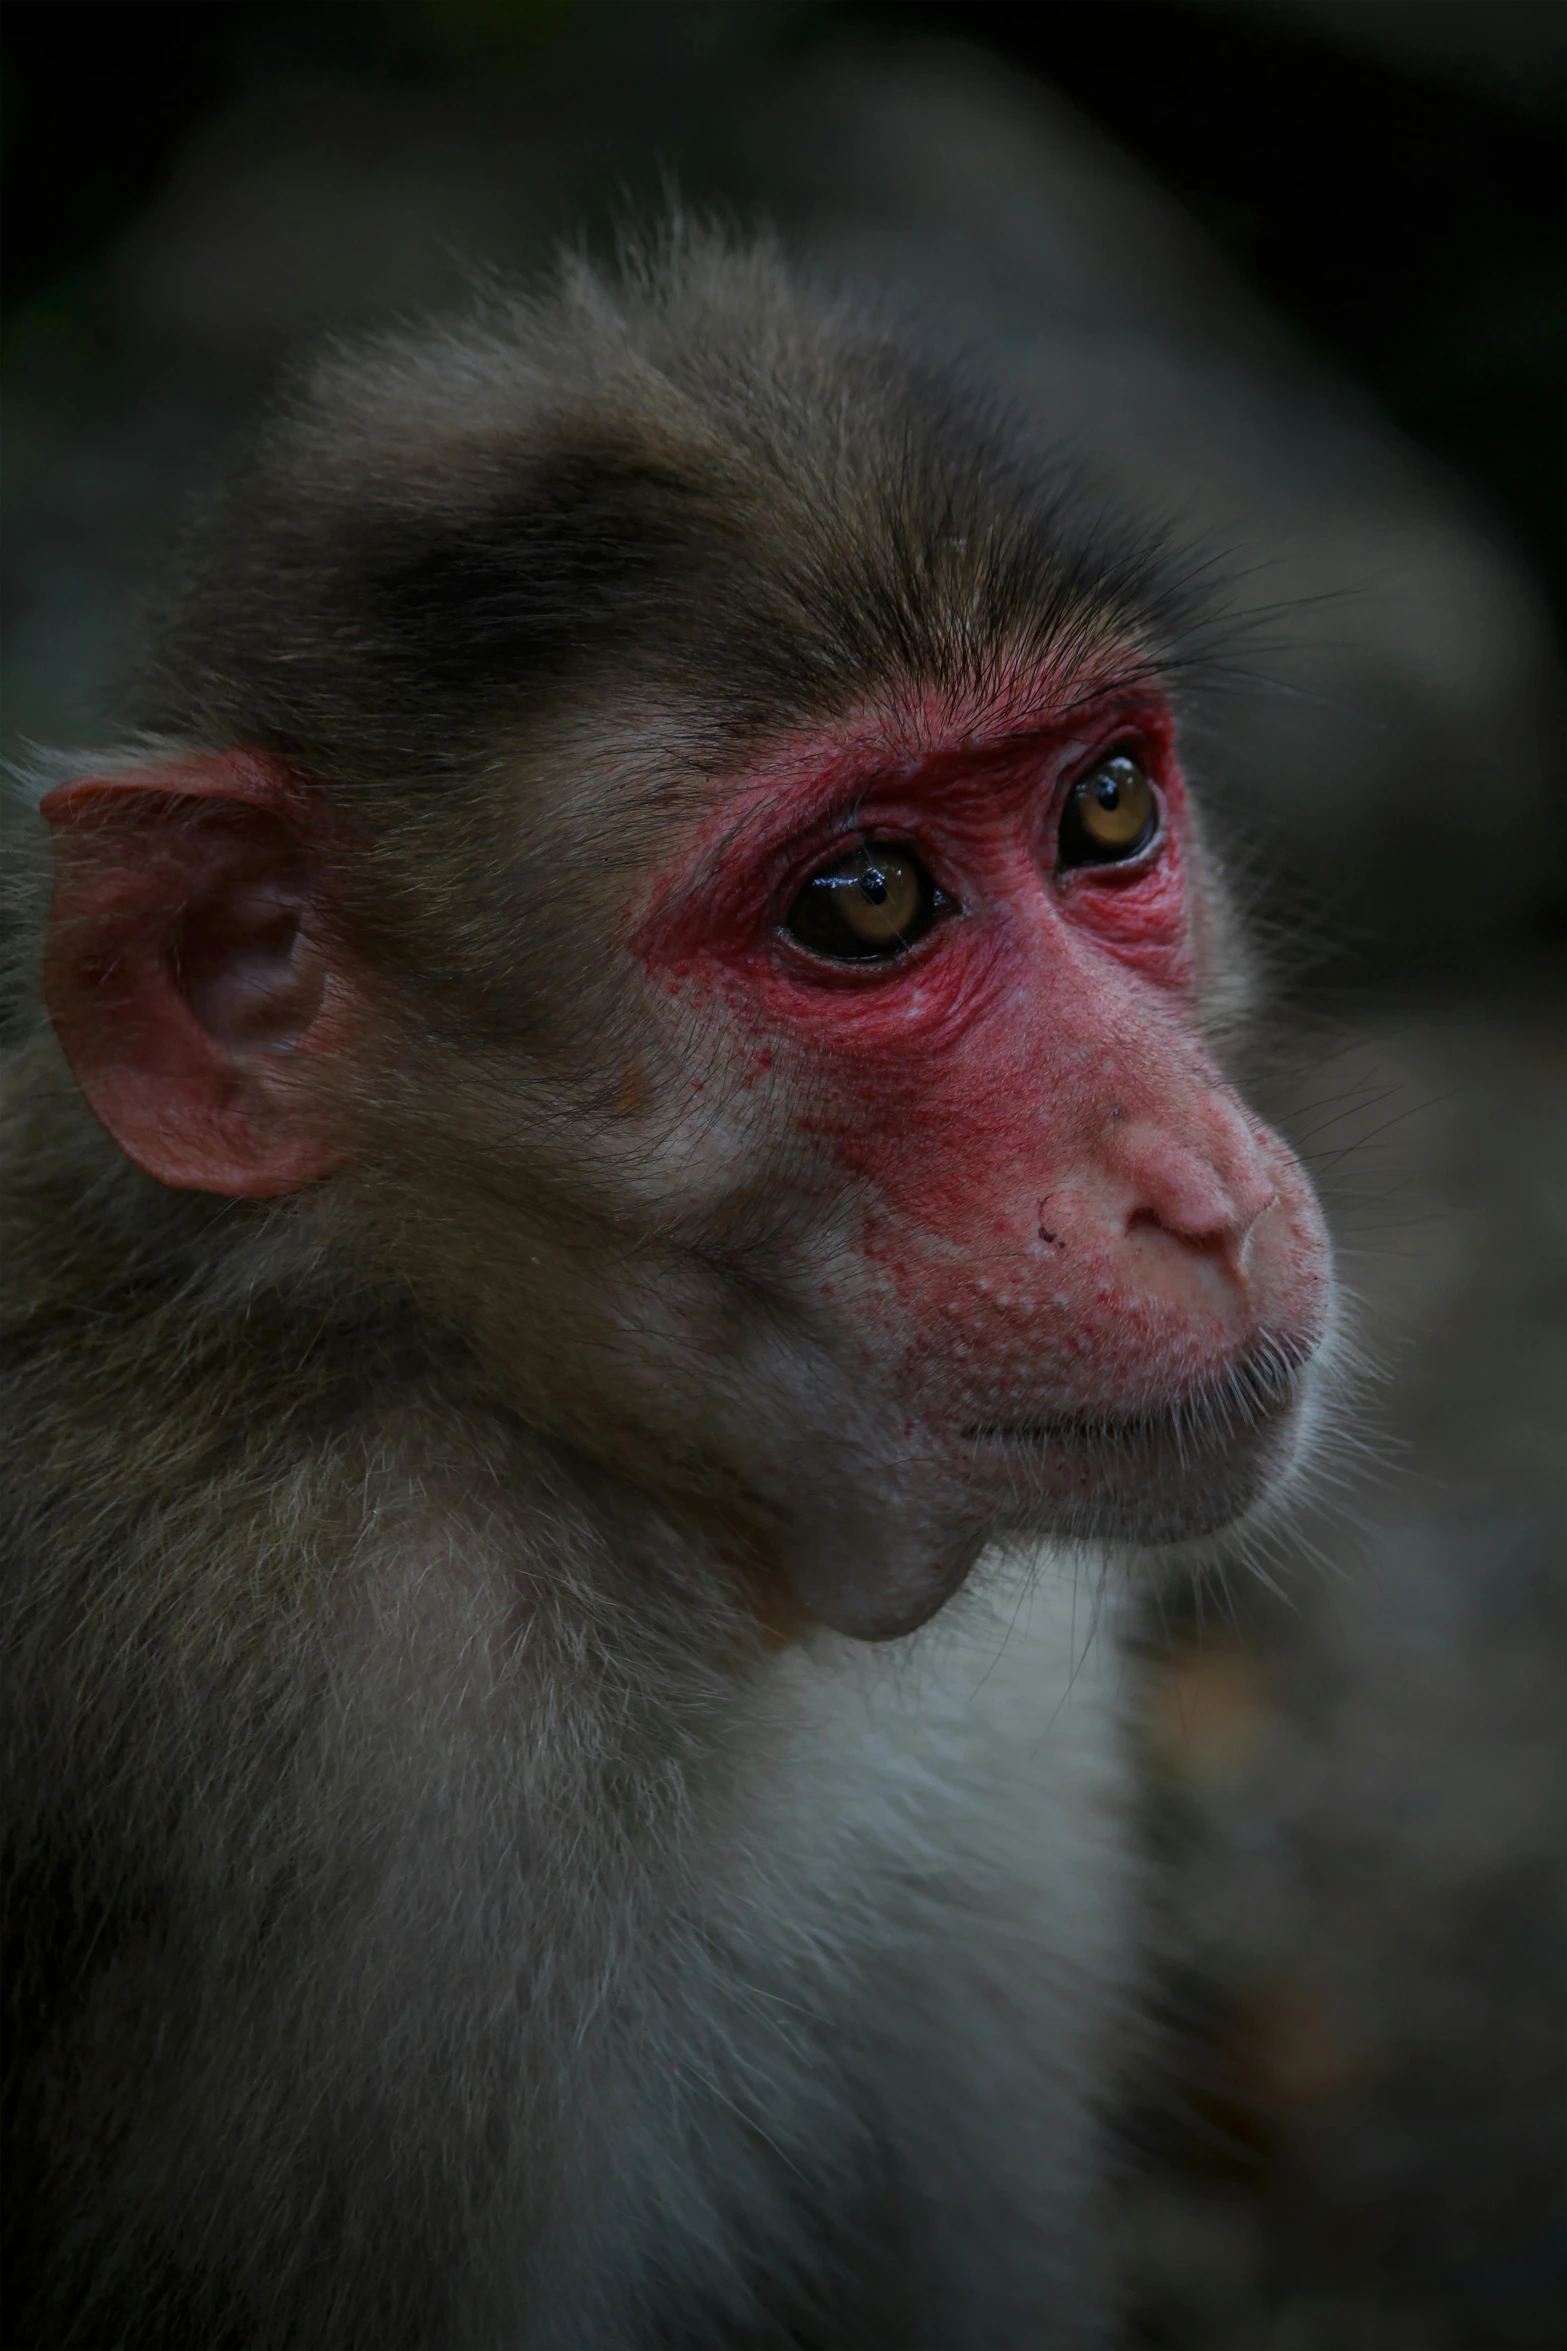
<point>1196,1236</point>
<point>1177,1193</point>
<point>1221,1246</point>
<point>1208,1204</point>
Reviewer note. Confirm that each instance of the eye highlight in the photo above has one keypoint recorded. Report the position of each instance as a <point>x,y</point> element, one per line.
<point>1110,815</point>
<point>873,904</point>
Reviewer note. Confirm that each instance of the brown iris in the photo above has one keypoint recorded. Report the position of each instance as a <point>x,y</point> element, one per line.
<point>1110,814</point>
<point>873,903</point>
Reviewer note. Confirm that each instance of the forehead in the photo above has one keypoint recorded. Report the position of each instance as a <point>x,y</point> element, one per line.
<point>659,786</point>
<point>775,567</point>
<point>708,521</point>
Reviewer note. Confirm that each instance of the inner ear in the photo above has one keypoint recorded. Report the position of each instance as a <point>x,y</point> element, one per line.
<point>187,977</point>
<point>244,960</point>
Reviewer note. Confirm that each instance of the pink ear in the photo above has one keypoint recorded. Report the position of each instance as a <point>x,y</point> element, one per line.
<point>159,875</point>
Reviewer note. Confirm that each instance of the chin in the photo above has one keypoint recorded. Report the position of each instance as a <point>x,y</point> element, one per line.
<point>1165,1476</point>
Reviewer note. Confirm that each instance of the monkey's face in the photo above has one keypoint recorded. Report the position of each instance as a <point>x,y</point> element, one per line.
<point>820,1134</point>
<point>919,1208</point>
<point>1038,1264</point>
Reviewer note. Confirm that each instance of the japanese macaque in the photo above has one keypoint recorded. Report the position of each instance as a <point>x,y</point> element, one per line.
<point>626,1098</point>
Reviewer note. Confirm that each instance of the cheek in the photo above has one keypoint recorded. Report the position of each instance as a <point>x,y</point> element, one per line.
<point>960,1100</point>
<point>961,1093</point>
<point>945,1137</point>
<point>1141,920</point>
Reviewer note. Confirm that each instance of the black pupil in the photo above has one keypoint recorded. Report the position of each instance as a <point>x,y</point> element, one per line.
<point>1108,793</point>
<point>874,887</point>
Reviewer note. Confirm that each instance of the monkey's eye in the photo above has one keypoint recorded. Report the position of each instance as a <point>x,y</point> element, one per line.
<point>1110,815</point>
<point>870,905</point>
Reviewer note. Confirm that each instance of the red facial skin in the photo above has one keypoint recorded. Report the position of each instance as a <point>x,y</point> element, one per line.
<point>1069,1213</point>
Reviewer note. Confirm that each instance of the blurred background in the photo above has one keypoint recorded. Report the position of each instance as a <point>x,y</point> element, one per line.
<point>1290,274</point>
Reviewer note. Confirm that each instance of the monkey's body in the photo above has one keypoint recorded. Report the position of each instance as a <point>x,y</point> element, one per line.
<point>544,1959</point>
<point>651,992</point>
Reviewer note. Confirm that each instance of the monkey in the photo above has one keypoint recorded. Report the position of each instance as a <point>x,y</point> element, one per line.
<point>624,1222</point>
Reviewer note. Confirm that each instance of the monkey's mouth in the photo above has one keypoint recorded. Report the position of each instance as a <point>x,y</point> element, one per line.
<point>1178,1469</point>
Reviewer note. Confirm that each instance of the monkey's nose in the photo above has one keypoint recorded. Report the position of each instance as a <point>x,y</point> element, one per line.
<point>1185,1194</point>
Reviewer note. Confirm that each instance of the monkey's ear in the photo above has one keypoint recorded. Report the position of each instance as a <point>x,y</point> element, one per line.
<point>181,973</point>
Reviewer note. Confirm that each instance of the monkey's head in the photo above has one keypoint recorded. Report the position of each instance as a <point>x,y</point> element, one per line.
<point>667,840</point>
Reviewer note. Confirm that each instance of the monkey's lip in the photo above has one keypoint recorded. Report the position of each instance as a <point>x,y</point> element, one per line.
<point>1181,1468</point>
<point>1247,1395</point>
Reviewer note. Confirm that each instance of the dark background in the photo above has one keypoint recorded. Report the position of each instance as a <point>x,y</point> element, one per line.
<point>1296,272</point>
<point>1428,258</point>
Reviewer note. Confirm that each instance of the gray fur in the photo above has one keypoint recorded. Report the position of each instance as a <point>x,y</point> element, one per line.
<point>438,1915</point>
